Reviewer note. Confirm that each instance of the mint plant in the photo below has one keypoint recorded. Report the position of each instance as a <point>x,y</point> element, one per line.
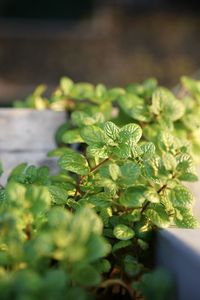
<point>89,227</point>
<point>133,185</point>
<point>46,251</point>
<point>125,155</point>
<point>188,127</point>
<point>153,107</point>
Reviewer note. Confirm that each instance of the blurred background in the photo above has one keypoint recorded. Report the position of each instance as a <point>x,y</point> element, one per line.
<point>110,41</point>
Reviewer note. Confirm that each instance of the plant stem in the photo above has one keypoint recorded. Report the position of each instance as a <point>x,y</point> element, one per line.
<point>92,170</point>
<point>99,165</point>
<point>162,188</point>
<point>110,282</point>
<point>145,206</point>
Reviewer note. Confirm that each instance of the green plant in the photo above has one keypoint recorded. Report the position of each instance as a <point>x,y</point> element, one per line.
<point>127,176</point>
<point>89,227</point>
<point>46,251</point>
<point>188,127</point>
<point>152,107</point>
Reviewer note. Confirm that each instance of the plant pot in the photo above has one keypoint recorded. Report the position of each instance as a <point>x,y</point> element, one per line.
<point>178,251</point>
<point>27,135</point>
<point>195,189</point>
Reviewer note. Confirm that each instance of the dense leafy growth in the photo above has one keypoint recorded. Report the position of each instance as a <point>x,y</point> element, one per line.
<point>147,104</point>
<point>88,228</point>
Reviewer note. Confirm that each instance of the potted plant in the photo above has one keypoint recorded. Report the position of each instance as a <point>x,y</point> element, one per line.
<point>125,181</point>
<point>32,123</point>
<point>96,217</point>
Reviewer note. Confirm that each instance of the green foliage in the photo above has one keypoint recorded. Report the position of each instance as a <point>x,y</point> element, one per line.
<point>147,104</point>
<point>133,185</point>
<point>74,162</point>
<point>123,232</point>
<point>136,146</point>
<point>44,246</point>
<point>157,285</point>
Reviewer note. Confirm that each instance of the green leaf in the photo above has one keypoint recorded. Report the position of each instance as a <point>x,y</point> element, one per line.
<point>105,215</point>
<point>129,173</point>
<point>192,85</point>
<point>39,199</point>
<point>18,172</point>
<point>59,194</point>
<point>111,130</point>
<point>159,99</point>
<point>169,161</point>
<point>60,152</point>
<point>134,216</point>
<point>108,185</point>
<point>122,151</point>
<point>157,285</point>
<point>100,91</point>
<point>176,110</point>
<point>75,292</point>
<point>66,85</point>
<point>93,135</point>
<point>80,118</point>
<point>3,197</point>
<point>102,200</point>
<point>115,93</point>
<point>185,219</point>
<point>167,141</point>
<point>90,219</point>
<point>72,136</point>
<point>164,102</point>
<point>123,232</point>
<point>121,245</point>
<point>114,171</point>
<point>143,245</point>
<point>31,174</point>
<point>181,196</point>
<point>151,169</point>
<point>81,91</point>
<point>133,197</point>
<point>135,107</point>
<point>103,265</point>
<point>188,177</point>
<point>157,215</point>
<point>131,132</point>
<point>97,248</point>
<point>148,150</point>
<point>87,276</point>
<point>97,151</point>
<point>131,266</point>
<point>15,193</point>
<point>43,175</point>
<point>152,196</point>
<point>74,162</point>
<point>184,162</point>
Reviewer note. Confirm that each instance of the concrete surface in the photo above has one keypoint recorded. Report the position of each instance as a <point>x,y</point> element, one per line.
<point>195,189</point>
<point>26,136</point>
<point>178,251</point>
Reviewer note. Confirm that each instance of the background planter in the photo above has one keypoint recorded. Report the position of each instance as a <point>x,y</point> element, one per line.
<point>195,189</point>
<point>27,135</point>
<point>178,251</point>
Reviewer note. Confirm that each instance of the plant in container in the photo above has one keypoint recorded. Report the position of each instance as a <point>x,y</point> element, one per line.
<point>90,226</point>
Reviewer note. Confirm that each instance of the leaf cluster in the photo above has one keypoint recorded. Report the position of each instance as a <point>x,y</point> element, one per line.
<point>124,155</point>
<point>151,106</point>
